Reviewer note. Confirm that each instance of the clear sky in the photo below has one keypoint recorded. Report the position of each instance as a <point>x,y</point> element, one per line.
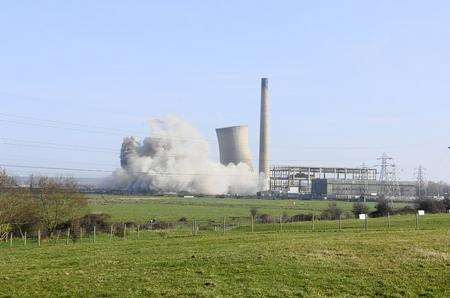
<point>349,80</point>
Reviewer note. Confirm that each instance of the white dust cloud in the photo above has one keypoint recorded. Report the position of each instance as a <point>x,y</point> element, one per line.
<point>175,158</point>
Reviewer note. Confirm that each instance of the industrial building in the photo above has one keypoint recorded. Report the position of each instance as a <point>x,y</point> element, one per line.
<point>347,189</point>
<point>298,178</point>
<point>336,183</point>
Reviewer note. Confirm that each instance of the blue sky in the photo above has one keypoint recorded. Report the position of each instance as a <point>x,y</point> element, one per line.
<point>349,80</point>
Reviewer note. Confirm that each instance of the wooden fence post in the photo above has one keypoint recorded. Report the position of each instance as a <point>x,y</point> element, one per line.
<point>110,233</point>
<point>389,220</point>
<point>25,239</point>
<point>11,239</point>
<point>95,232</point>
<point>39,237</point>
<point>417,221</point>
<point>68,236</point>
<point>137,232</point>
<point>312,222</point>
<point>281,223</point>
<point>252,223</point>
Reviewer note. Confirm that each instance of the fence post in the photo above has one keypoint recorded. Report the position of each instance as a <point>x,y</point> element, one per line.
<point>340,224</point>
<point>193,227</point>
<point>137,232</point>
<point>389,220</point>
<point>417,221</point>
<point>124,231</point>
<point>11,239</point>
<point>39,237</point>
<point>223,226</point>
<point>281,223</point>
<point>68,236</point>
<point>110,233</point>
<point>95,230</point>
<point>365,222</point>
<point>253,223</point>
<point>25,239</point>
<point>312,222</point>
<point>81,235</point>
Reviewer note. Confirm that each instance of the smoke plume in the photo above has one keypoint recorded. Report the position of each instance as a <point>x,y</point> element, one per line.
<point>175,158</point>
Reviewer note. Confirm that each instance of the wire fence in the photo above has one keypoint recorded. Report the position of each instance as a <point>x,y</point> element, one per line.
<point>220,226</point>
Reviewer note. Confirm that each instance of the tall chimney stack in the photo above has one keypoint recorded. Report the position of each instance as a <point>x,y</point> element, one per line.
<point>264,135</point>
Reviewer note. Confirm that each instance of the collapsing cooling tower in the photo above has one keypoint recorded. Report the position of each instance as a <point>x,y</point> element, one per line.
<point>129,151</point>
<point>233,145</point>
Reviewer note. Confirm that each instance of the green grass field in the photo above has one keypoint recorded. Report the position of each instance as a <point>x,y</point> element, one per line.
<point>290,259</point>
<point>141,209</point>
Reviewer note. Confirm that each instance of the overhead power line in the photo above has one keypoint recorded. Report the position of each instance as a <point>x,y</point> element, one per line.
<point>109,171</point>
<point>56,124</point>
<point>48,123</point>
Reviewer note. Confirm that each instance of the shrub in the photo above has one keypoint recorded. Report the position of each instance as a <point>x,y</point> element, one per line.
<point>405,210</point>
<point>302,217</point>
<point>265,218</point>
<point>359,208</point>
<point>447,203</point>
<point>162,225</point>
<point>332,212</point>
<point>99,220</point>
<point>382,208</point>
<point>431,205</point>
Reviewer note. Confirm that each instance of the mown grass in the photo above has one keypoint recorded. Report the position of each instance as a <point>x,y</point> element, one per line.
<point>266,263</point>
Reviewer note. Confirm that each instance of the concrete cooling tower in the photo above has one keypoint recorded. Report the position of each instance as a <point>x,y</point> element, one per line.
<point>233,145</point>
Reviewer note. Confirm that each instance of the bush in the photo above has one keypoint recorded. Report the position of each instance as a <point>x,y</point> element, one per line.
<point>162,225</point>
<point>265,218</point>
<point>382,208</point>
<point>431,205</point>
<point>405,210</point>
<point>302,217</point>
<point>447,203</point>
<point>158,225</point>
<point>359,208</point>
<point>332,212</point>
<point>99,220</point>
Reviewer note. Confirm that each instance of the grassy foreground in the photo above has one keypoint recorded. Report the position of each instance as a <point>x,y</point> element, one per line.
<point>265,263</point>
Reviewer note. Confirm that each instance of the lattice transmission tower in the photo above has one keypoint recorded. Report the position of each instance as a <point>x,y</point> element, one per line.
<point>420,182</point>
<point>389,185</point>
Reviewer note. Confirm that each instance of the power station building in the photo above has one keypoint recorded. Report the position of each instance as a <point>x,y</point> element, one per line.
<point>336,183</point>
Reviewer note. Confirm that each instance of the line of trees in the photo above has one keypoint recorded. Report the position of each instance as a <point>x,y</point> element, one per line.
<point>47,204</point>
